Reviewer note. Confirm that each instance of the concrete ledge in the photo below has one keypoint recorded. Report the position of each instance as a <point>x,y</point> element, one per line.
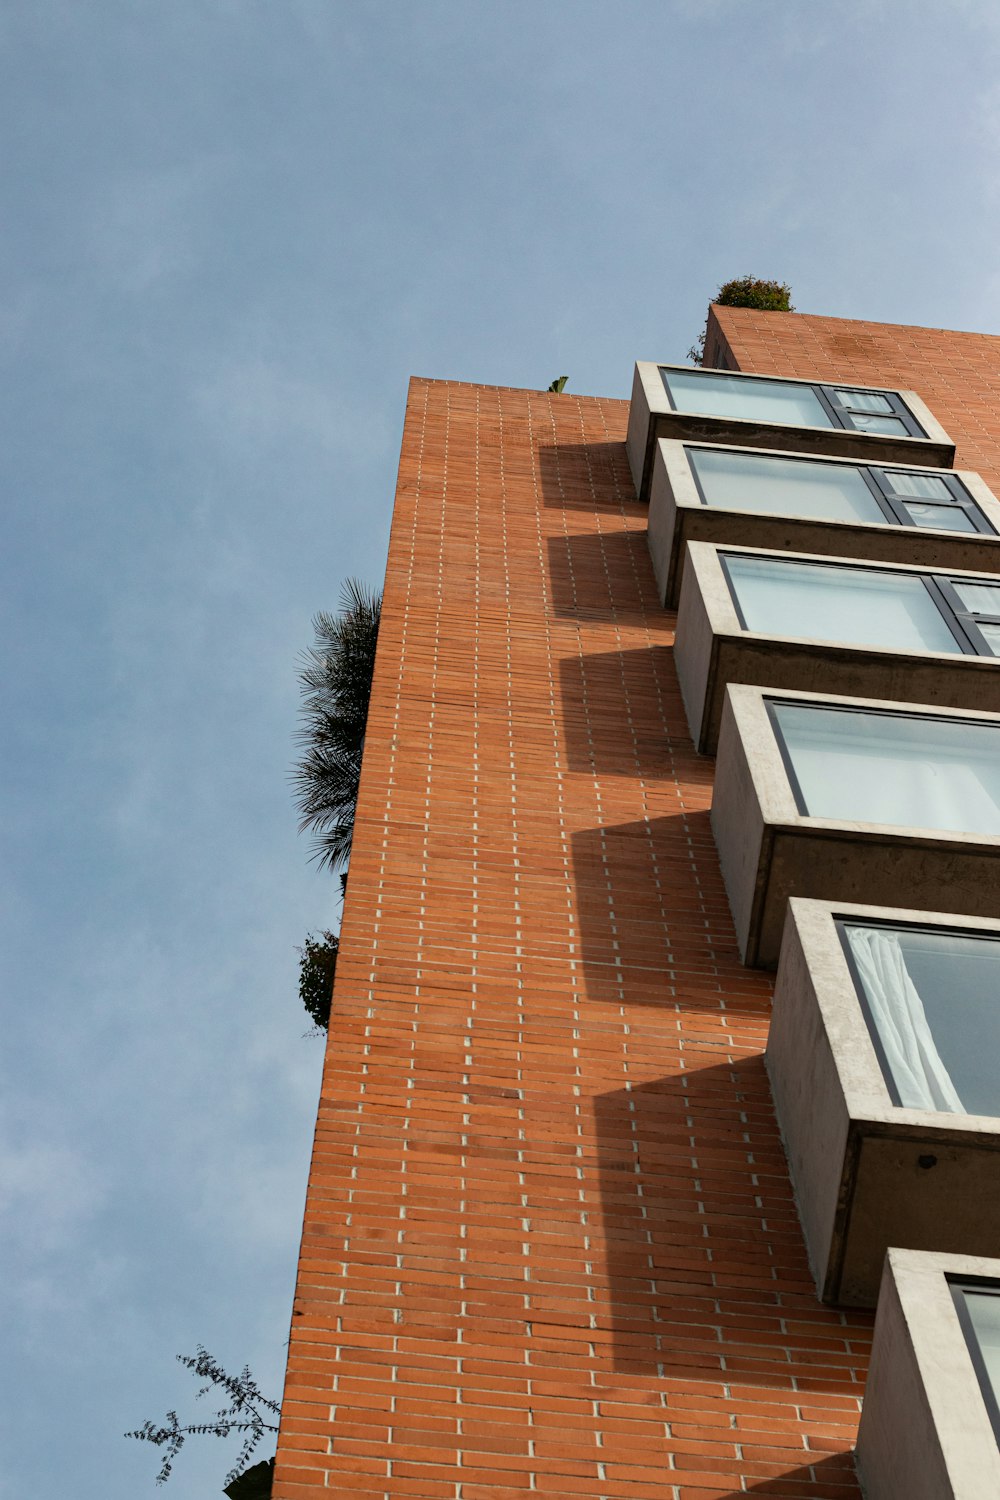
<point>770,851</point>
<point>712,650</point>
<point>867,1173</point>
<point>678,516</point>
<point>651,417</point>
<point>925,1432</point>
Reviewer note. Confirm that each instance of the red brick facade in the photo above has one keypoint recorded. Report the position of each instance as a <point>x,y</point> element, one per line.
<point>550,1245</point>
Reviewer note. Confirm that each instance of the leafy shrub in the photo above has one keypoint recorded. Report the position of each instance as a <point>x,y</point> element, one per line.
<point>746,291</point>
<point>317,967</point>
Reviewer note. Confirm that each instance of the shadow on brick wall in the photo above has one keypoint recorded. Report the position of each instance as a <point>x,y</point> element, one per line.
<point>605,575</point>
<point>654,922</point>
<point>703,1253</point>
<point>829,1478</point>
<point>586,476</point>
<point>622,715</point>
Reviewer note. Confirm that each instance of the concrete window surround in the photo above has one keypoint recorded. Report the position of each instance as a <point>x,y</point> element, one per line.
<point>770,851</point>
<point>925,1430</point>
<point>678,515</point>
<point>712,650</point>
<point>867,1172</point>
<point>651,416</point>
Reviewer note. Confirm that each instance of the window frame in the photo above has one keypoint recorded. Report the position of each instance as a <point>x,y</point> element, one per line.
<point>839,412</point>
<point>890,502</point>
<point>894,503</point>
<point>830,395</point>
<point>770,851</point>
<point>969,619</point>
<point>925,1431</point>
<point>840,924</point>
<point>881,711</point>
<point>958,1284</point>
<point>939,587</point>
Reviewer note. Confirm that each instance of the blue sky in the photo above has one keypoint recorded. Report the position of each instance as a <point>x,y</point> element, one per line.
<point>231,231</point>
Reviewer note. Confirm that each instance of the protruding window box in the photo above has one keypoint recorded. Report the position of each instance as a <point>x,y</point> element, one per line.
<point>930,1425</point>
<point>783,620</point>
<point>882,1057</point>
<point>836,508</point>
<point>759,411</point>
<point>847,799</point>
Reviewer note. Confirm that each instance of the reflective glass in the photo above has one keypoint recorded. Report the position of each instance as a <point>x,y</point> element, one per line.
<point>926,486</point>
<point>891,426</point>
<point>714,395</point>
<point>982,598</point>
<point>784,486</point>
<point>864,400</point>
<point>903,769</point>
<point>933,1003</point>
<point>984,1314</point>
<point>822,603</point>
<point>938,517</point>
<point>991,635</point>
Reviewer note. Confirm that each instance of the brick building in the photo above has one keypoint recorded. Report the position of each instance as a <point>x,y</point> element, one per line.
<point>551,1244</point>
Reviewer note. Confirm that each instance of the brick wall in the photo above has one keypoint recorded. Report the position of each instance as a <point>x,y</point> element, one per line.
<point>550,1245</point>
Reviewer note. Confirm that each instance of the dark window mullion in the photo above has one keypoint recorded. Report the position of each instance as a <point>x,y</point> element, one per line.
<point>884,497</point>
<point>971,623</point>
<point>898,409</point>
<point>967,618</point>
<point>880,483</point>
<point>833,407</point>
<point>955,615</point>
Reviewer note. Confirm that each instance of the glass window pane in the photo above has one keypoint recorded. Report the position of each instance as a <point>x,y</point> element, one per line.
<point>982,598</point>
<point>710,394</point>
<point>991,635</point>
<point>902,769</point>
<point>939,517</point>
<point>784,486</point>
<point>926,486</point>
<point>933,1003</point>
<point>822,603</point>
<point>984,1313</point>
<point>864,400</point>
<point>891,426</point>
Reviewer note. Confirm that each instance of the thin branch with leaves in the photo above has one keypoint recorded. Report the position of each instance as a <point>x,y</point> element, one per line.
<point>246,1413</point>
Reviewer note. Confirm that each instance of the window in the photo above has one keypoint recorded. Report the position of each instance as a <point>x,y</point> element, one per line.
<point>977,1303</point>
<point>861,606</point>
<point>789,403</point>
<point>906,769</point>
<point>847,800</point>
<point>883,1027</point>
<point>871,411</point>
<point>930,1423</point>
<point>864,606</point>
<point>931,1000</point>
<point>977,608</point>
<point>780,416</point>
<point>802,487</point>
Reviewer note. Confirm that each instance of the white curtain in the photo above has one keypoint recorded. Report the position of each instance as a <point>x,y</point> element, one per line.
<point>917,1070</point>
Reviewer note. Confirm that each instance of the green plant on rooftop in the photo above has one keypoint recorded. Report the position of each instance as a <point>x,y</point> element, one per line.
<point>746,291</point>
<point>558,385</point>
